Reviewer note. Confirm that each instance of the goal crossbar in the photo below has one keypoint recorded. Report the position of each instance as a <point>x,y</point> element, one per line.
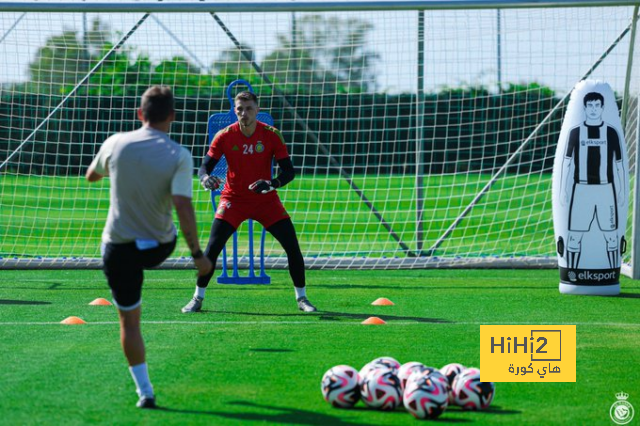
<point>298,6</point>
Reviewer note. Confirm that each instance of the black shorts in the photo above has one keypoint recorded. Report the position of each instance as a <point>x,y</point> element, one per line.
<point>124,265</point>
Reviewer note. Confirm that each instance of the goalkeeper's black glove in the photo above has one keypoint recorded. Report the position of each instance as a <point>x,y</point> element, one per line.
<point>210,183</point>
<point>262,186</point>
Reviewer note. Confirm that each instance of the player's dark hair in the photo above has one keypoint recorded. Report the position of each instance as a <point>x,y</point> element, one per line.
<point>593,96</point>
<point>247,96</point>
<point>157,104</point>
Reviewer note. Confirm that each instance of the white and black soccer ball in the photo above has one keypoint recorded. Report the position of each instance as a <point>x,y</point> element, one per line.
<point>450,371</point>
<point>385,362</point>
<point>381,390</point>
<point>432,372</point>
<point>406,370</point>
<point>426,397</point>
<point>470,393</point>
<point>340,386</point>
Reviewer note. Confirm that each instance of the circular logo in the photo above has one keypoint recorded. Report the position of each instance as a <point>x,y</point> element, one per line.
<point>572,276</point>
<point>621,412</point>
<point>259,147</point>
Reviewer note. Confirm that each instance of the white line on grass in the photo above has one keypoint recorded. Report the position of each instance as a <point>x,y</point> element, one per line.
<point>323,323</point>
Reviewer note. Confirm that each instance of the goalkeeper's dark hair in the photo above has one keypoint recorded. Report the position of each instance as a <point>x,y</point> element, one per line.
<point>157,104</point>
<point>246,96</point>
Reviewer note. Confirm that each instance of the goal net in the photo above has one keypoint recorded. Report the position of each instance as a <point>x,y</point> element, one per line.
<point>421,138</point>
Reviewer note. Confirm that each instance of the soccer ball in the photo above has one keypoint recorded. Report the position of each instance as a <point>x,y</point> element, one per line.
<point>385,362</point>
<point>406,369</point>
<point>340,386</point>
<point>450,371</point>
<point>432,372</point>
<point>426,397</point>
<point>470,393</point>
<point>381,390</point>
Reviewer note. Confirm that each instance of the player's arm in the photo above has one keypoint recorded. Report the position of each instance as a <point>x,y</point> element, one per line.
<point>92,175</point>
<point>207,181</point>
<point>287,174</point>
<point>565,175</point>
<point>614,138</point>
<point>181,192</point>
<point>99,167</point>
<point>187,218</point>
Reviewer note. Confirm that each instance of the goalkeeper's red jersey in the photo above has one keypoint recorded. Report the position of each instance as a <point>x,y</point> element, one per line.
<point>248,158</point>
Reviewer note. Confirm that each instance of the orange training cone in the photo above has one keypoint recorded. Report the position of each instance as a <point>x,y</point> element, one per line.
<point>383,301</point>
<point>373,321</point>
<point>73,321</point>
<point>101,302</point>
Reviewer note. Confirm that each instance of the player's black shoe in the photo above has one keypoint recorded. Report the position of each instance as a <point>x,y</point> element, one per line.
<point>147,402</point>
<point>305,306</point>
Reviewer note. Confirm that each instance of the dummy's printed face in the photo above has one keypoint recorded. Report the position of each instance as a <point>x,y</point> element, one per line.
<point>246,111</point>
<point>593,110</point>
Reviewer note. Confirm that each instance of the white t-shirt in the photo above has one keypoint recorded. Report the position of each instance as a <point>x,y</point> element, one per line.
<point>146,168</point>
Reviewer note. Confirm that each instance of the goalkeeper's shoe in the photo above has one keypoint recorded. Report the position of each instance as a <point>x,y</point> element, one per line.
<point>147,402</point>
<point>194,305</point>
<point>305,306</point>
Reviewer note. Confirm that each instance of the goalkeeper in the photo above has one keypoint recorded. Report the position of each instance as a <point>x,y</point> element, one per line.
<point>249,147</point>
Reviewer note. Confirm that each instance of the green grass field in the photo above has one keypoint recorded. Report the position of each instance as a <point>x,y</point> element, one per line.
<point>63,216</point>
<point>252,358</point>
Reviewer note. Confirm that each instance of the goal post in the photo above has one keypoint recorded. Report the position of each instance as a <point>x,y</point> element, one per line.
<point>423,133</point>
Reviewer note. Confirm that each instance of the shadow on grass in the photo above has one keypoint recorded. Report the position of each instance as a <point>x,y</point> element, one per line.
<point>628,296</point>
<point>335,316</point>
<point>492,410</point>
<point>22,302</point>
<point>286,415</point>
<point>427,287</point>
<point>283,415</point>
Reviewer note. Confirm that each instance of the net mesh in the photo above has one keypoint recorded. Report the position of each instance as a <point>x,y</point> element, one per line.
<point>419,138</point>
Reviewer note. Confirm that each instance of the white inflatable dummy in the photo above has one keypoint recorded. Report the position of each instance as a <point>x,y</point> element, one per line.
<point>590,192</point>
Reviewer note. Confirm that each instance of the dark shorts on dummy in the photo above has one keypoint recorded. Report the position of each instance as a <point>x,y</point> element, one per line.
<point>124,265</point>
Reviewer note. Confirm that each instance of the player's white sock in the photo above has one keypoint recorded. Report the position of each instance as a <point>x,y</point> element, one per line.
<point>200,292</point>
<point>300,292</point>
<point>141,379</point>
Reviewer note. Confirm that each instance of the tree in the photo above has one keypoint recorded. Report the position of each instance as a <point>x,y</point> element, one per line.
<point>59,63</point>
<point>324,54</point>
<point>235,62</point>
<point>66,58</point>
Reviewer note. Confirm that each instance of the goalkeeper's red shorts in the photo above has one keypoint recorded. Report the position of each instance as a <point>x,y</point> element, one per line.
<point>235,211</point>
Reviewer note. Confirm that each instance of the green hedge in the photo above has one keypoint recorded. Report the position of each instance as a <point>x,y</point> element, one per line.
<point>462,132</point>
